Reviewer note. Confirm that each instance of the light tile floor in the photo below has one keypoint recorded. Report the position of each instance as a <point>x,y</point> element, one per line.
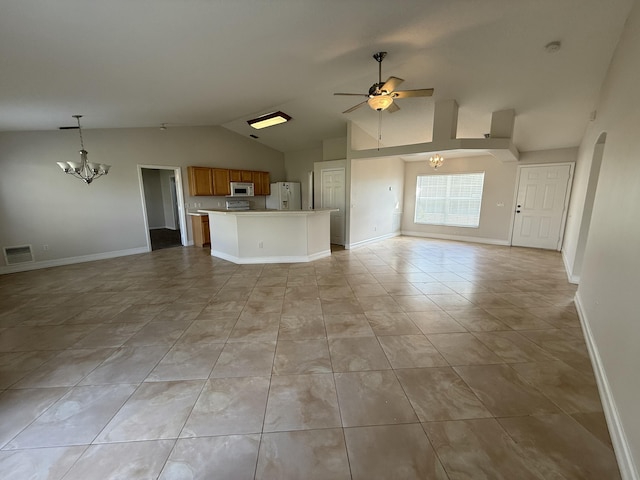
<point>409,358</point>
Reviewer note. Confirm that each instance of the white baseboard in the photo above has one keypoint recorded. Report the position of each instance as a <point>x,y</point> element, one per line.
<point>575,279</point>
<point>628,470</point>
<point>280,259</point>
<point>24,267</point>
<point>372,240</point>
<point>459,238</point>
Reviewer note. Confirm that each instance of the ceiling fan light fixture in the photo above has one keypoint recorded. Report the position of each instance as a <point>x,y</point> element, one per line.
<point>269,120</point>
<point>380,102</point>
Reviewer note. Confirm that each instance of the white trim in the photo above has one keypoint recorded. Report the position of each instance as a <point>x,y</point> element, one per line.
<point>282,259</point>
<point>459,238</point>
<point>372,240</point>
<point>628,470</point>
<point>71,260</point>
<point>575,279</point>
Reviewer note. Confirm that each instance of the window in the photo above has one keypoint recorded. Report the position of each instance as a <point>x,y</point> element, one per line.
<point>452,200</point>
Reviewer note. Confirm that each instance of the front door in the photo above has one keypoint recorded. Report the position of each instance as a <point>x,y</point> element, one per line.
<point>332,195</point>
<point>541,206</point>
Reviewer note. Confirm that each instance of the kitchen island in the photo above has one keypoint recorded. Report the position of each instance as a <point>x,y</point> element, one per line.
<point>269,236</point>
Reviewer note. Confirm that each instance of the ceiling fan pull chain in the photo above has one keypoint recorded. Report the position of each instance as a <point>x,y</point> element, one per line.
<point>379,127</point>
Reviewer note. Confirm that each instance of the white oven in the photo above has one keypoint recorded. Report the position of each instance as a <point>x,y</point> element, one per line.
<point>241,189</point>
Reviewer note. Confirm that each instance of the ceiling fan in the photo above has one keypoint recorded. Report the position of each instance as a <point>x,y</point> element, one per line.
<point>381,96</point>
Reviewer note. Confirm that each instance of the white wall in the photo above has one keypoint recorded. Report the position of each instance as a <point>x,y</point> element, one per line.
<point>607,296</point>
<point>40,205</point>
<point>376,198</point>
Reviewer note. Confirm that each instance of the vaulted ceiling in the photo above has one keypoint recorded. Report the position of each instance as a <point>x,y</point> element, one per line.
<point>143,63</point>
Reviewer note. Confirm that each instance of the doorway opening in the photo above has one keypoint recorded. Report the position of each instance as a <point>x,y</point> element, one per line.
<point>163,206</point>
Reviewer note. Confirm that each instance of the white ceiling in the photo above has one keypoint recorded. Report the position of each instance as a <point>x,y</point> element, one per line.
<point>141,63</point>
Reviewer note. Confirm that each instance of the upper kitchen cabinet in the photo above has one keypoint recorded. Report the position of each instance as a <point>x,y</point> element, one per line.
<point>207,181</point>
<point>221,179</point>
<point>200,181</point>
<point>261,183</point>
<point>240,175</point>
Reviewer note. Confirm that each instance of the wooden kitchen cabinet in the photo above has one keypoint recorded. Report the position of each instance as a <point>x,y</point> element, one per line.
<point>235,175</point>
<point>207,181</point>
<point>241,176</point>
<point>221,179</point>
<point>261,185</point>
<point>201,233</point>
<point>200,181</point>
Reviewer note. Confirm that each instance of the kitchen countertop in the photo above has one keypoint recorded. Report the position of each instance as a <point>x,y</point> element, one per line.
<point>205,211</point>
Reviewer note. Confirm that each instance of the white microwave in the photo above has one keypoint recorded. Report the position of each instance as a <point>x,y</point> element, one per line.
<point>241,189</point>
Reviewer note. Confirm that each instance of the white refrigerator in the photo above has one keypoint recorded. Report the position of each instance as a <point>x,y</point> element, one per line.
<point>285,196</point>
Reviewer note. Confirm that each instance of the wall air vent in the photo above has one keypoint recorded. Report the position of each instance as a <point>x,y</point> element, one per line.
<point>16,255</point>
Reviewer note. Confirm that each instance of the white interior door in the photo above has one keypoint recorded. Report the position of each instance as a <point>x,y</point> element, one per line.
<point>332,195</point>
<point>543,195</point>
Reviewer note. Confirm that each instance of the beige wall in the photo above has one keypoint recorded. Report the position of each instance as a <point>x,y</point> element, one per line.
<point>376,198</point>
<point>39,205</point>
<point>153,198</point>
<point>500,183</point>
<point>499,188</point>
<point>610,279</point>
<point>297,167</point>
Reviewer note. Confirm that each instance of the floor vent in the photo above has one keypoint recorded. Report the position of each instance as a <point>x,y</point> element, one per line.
<point>16,255</point>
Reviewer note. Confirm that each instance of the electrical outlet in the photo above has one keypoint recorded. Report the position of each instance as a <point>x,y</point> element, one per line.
<point>45,247</point>
<point>260,245</point>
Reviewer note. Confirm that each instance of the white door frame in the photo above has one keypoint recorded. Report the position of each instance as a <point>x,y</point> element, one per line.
<point>565,210</point>
<point>179,196</point>
<point>318,167</point>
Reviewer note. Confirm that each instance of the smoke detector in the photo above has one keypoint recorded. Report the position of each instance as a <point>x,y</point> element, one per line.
<point>552,47</point>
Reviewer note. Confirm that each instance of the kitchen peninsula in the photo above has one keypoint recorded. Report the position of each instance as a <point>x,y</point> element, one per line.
<point>269,236</point>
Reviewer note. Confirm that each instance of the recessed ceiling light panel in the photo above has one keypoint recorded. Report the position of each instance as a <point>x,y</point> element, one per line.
<point>269,120</point>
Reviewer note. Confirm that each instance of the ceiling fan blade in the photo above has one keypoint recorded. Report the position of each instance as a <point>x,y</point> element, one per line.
<point>423,92</point>
<point>69,128</point>
<point>355,107</point>
<point>393,107</point>
<point>353,94</point>
<point>391,84</point>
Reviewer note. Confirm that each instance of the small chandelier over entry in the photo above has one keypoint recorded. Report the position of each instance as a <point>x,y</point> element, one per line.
<point>436,161</point>
<point>84,170</point>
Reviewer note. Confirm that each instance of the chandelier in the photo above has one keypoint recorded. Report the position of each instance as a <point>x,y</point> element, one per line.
<point>84,170</point>
<point>436,161</point>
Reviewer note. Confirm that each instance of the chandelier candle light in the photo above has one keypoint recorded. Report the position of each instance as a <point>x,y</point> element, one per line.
<point>436,161</point>
<point>84,170</point>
